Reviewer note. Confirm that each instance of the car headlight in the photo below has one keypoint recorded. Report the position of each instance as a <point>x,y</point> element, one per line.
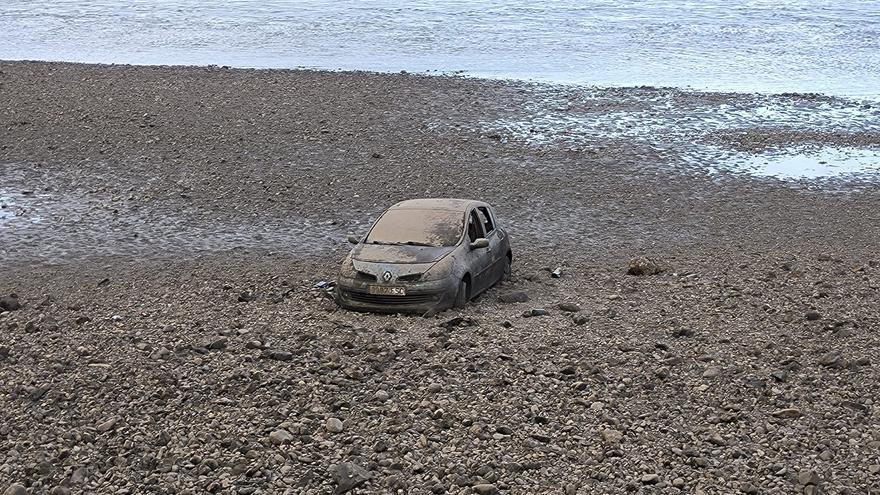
<point>347,270</point>
<point>439,271</point>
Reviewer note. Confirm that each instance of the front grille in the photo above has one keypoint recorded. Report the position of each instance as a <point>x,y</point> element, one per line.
<point>366,276</point>
<point>384,300</point>
<point>412,277</point>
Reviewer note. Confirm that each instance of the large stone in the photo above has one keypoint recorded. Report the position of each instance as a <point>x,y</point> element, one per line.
<point>10,303</point>
<point>611,437</point>
<point>334,425</point>
<point>485,489</point>
<point>15,489</point>
<point>830,359</point>
<point>349,476</point>
<point>280,437</point>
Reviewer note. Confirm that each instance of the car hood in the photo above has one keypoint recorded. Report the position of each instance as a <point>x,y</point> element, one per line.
<point>378,253</point>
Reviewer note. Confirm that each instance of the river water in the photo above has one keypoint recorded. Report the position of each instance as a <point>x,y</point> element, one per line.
<point>823,46</point>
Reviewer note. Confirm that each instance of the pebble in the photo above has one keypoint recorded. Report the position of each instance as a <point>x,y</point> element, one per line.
<point>611,437</point>
<point>348,476</point>
<point>514,297</point>
<point>830,359</point>
<point>334,425</point>
<point>790,413</point>
<point>382,396</point>
<point>812,315</point>
<point>650,479</point>
<point>569,307</point>
<point>15,489</point>
<point>712,372</point>
<point>281,436</point>
<point>808,477</point>
<point>434,387</point>
<point>106,425</point>
<point>485,489</point>
<point>535,312</point>
<point>580,319</point>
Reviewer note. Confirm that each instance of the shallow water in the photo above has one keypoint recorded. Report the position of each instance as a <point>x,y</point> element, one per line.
<point>819,163</point>
<point>822,46</point>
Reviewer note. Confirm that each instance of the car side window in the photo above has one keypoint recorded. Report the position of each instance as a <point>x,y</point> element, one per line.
<point>486,219</point>
<point>475,227</point>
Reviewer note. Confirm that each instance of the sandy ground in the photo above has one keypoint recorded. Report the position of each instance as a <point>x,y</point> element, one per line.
<point>141,203</point>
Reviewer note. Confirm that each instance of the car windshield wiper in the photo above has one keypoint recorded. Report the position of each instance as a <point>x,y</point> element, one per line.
<point>404,243</point>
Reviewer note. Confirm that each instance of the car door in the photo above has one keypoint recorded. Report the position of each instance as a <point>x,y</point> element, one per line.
<point>495,238</point>
<point>479,260</point>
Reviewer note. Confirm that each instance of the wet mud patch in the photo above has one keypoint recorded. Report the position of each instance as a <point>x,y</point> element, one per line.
<point>691,130</point>
<point>40,223</point>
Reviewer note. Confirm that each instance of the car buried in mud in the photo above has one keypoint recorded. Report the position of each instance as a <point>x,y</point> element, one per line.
<point>423,256</point>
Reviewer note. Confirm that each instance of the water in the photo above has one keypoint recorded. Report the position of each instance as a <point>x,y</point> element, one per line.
<point>812,164</point>
<point>820,46</point>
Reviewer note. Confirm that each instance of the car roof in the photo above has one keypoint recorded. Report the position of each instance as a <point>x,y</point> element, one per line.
<point>438,204</point>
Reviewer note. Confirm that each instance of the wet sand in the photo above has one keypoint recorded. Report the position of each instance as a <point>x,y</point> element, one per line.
<point>142,201</point>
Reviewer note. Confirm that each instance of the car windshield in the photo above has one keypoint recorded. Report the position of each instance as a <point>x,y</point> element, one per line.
<point>418,227</point>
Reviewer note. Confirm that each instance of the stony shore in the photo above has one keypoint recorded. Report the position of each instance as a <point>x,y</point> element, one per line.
<point>164,228</point>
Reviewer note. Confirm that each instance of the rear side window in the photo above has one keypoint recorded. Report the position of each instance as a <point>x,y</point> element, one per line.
<point>486,219</point>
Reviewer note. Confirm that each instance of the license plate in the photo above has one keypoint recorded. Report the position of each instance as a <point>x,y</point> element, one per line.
<point>387,291</point>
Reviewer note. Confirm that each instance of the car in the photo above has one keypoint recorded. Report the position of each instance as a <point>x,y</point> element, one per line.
<point>423,256</point>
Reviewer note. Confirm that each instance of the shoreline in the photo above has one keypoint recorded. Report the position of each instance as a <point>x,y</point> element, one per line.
<point>466,74</point>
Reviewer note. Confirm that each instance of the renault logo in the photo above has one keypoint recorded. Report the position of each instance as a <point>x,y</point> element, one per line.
<point>386,276</point>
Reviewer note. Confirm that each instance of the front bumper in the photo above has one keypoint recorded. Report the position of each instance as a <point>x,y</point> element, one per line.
<point>420,297</point>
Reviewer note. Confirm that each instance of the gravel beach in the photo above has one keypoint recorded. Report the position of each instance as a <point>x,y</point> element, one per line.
<point>162,230</point>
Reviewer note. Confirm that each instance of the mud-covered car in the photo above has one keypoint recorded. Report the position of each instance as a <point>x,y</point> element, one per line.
<point>425,255</point>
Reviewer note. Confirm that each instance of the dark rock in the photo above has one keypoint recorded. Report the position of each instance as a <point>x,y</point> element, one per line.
<point>10,303</point>
<point>349,476</point>
<point>643,266</point>
<point>780,376</point>
<point>682,332</point>
<point>650,479</point>
<point>535,312</point>
<point>580,319</point>
<point>459,321</point>
<point>790,413</point>
<point>278,355</point>
<point>514,297</point>
<point>813,315</point>
<point>569,307</point>
<point>217,344</point>
<point>247,296</point>
<point>831,359</point>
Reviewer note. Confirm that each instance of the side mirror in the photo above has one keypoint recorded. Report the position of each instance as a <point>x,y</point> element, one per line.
<point>354,239</point>
<point>480,243</point>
